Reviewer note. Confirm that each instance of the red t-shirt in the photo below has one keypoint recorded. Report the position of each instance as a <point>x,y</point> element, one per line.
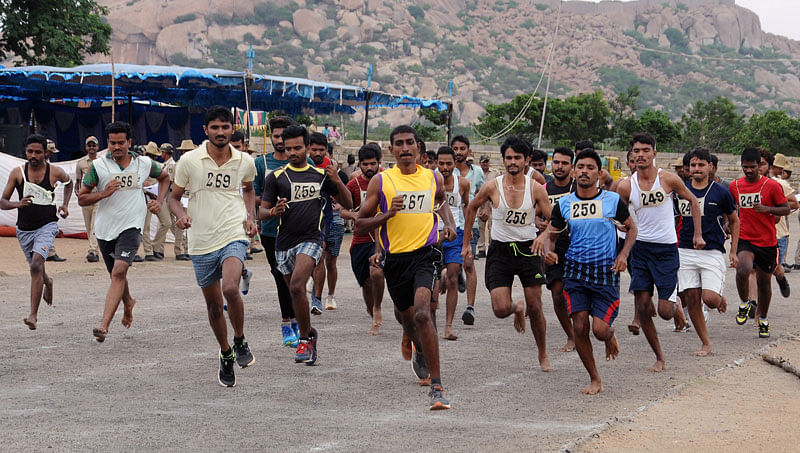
<point>757,227</point>
<point>358,189</point>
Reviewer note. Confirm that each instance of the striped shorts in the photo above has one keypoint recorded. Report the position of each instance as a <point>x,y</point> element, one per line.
<point>286,258</point>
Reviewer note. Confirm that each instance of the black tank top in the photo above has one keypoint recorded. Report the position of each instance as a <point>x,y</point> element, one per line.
<point>554,192</point>
<point>33,217</point>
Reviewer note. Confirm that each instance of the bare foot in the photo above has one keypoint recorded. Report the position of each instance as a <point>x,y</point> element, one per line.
<point>99,334</point>
<point>30,321</point>
<point>127,314</point>
<point>374,329</point>
<point>704,351</point>
<point>723,306</point>
<point>612,349</point>
<point>633,328</point>
<point>680,327</point>
<point>449,335</point>
<point>426,382</point>
<point>405,347</point>
<point>544,362</point>
<point>658,367</point>
<point>569,347</point>
<point>594,388</point>
<point>519,316</point>
<point>47,294</point>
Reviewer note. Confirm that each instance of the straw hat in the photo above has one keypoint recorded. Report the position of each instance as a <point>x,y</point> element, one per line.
<point>152,149</point>
<point>782,162</point>
<point>187,145</point>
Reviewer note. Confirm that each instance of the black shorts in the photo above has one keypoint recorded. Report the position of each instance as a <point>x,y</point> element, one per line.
<point>764,258</point>
<point>359,261</point>
<point>504,261</point>
<point>123,248</point>
<point>555,272</point>
<point>439,265</point>
<point>405,272</point>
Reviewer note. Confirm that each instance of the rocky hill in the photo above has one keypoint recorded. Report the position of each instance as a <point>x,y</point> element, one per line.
<point>492,50</point>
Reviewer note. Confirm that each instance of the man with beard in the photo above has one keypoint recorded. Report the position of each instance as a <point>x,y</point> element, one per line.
<point>81,168</point>
<point>605,180</point>
<point>591,262</point>
<point>363,246</point>
<point>562,184</point>
<point>405,197</point>
<point>539,163</point>
<point>293,194</point>
<point>220,219</point>
<point>702,273</point>
<point>121,210</point>
<point>516,201</point>
<point>37,217</point>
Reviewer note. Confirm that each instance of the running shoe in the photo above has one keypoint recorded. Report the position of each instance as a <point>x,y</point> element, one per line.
<point>330,302</point>
<point>438,401</point>
<point>469,315</point>
<point>763,328</point>
<point>226,376</point>
<point>244,284</point>
<point>753,307</point>
<point>296,329</point>
<point>316,306</point>
<point>784,286</point>
<point>244,358</point>
<point>743,313</point>
<point>462,282</point>
<point>289,336</point>
<point>419,366</point>
<point>307,349</point>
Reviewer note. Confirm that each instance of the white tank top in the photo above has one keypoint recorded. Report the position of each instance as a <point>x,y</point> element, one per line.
<point>654,212</point>
<point>455,203</point>
<point>513,224</point>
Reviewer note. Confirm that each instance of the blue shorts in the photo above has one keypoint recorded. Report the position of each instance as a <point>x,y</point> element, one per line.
<point>333,238</point>
<point>783,247</point>
<point>655,264</point>
<point>452,249</point>
<point>208,267</point>
<point>286,258</point>
<point>601,301</point>
<point>38,241</point>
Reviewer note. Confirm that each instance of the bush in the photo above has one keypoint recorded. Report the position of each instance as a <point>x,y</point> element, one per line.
<point>416,12</point>
<point>541,6</point>
<point>185,18</point>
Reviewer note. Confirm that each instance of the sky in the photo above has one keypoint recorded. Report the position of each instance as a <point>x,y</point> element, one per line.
<point>777,16</point>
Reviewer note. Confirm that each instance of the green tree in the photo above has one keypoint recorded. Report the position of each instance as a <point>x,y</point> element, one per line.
<point>623,114</point>
<point>676,38</point>
<point>657,123</point>
<point>773,130</point>
<point>711,124</point>
<point>57,33</point>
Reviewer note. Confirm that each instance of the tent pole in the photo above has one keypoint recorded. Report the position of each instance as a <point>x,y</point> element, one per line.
<point>130,109</point>
<point>449,125</point>
<point>367,97</point>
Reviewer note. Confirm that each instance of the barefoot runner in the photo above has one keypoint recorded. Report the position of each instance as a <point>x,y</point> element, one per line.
<point>37,219</point>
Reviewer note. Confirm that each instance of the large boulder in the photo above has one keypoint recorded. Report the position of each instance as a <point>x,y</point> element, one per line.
<point>308,24</point>
<point>352,5</point>
<point>189,37</point>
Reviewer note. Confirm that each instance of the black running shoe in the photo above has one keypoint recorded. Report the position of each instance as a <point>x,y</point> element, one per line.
<point>763,328</point>
<point>753,306</point>
<point>226,376</point>
<point>784,286</point>
<point>469,315</point>
<point>244,358</point>
<point>438,401</point>
<point>419,366</point>
<point>462,282</point>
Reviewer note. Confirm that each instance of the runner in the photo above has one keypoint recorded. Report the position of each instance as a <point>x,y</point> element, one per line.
<point>591,264</point>
<point>404,197</point>
<point>702,272</point>
<point>561,185</point>
<point>457,196</point>
<point>219,220</point>
<point>363,246</point>
<point>294,194</point>
<point>37,216</point>
<point>539,163</point>
<point>605,180</point>
<point>121,210</point>
<point>654,258</point>
<point>516,200</point>
<point>759,199</point>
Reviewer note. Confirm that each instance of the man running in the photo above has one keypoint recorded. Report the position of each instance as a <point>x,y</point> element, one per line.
<point>219,220</point>
<point>121,210</point>
<point>760,199</point>
<point>654,258</point>
<point>702,273</point>
<point>405,197</point>
<point>516,201</point>
<point>539,163</point>
<point>81,168</point>
<point>363,246</point>
<point>294,193</point>
<point>591,262</point>
<point>37,216</point>
<point>561,185</point>
<point>457,196</point>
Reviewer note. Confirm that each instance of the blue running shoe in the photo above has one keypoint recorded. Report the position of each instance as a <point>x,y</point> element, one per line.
<point>289,336</point>
<point>244,284</point>
<point>296,330</point>
<point>316,306</point>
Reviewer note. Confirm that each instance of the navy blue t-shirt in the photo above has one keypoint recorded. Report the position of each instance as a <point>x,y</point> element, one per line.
<point>716,201</point>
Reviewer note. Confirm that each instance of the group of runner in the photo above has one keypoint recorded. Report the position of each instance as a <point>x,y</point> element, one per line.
<point>415,230</point>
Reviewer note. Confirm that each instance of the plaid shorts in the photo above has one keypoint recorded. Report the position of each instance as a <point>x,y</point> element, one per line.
<point>286,258</point>
<point>208,267</point>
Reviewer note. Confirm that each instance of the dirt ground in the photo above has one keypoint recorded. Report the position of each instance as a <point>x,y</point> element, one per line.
<point>154,386</point>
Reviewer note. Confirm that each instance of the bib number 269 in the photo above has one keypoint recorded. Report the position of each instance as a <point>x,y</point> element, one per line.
<point>218,180</point>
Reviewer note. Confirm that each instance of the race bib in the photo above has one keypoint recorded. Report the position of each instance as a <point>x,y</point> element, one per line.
<point>451,199</point>
<point>220,180</point>
<point>515,217</point>
<point>747,200</point>
<point>652,198</point>
<point>685,208</point>
<point>128,181</point>
<point>417,202</point>
<point>40,196</point>
<point>586,209</point>
<point>303,191</point>
<point>553,199</point>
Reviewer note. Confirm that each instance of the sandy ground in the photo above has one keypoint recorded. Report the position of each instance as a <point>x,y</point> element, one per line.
<point>154,386</point>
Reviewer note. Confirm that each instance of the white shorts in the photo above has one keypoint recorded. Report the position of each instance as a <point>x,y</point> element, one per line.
<point>701,269</point>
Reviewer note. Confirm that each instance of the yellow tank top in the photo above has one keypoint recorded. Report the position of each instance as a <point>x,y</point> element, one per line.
<point>416,225</point>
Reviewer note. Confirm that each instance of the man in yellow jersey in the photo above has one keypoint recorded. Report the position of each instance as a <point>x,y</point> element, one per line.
<point>405,197</point>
